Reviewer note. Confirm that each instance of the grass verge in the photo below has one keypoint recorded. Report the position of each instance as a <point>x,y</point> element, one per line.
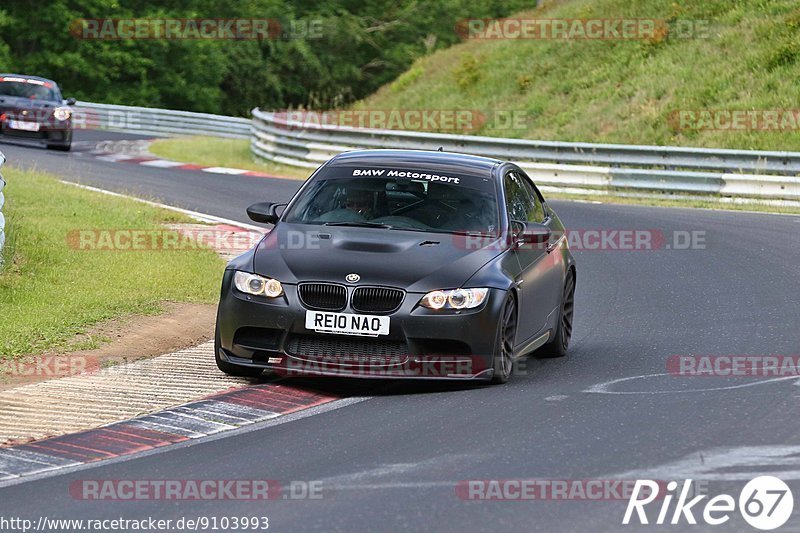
<point>215,152</point>
<point>50,291</point>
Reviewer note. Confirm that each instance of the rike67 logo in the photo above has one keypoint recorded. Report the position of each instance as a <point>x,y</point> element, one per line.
<point>765,503</point>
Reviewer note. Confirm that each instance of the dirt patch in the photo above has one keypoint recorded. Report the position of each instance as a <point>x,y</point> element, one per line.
<point>181,325</point>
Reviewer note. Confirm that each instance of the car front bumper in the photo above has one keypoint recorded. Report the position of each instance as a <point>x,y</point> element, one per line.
<point>46,134</point>
<point>421,344</point>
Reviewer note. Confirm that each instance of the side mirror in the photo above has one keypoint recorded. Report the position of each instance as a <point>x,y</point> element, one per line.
<point>532,233</point>
<point>265,212</point>
<point>70,101</point>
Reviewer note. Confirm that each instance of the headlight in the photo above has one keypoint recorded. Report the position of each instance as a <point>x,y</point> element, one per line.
<point>62,113</point>
<point>454,299</point>
<point>257,285</point>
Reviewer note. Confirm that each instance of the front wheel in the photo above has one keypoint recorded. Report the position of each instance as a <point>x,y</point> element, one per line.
<point>559,345</point>
<point>504,349</point>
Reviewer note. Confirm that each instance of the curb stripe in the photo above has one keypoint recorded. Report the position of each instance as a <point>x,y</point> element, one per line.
<point>9,465</point>
<point>151,161</point>
<point>216,414</point>
<point>65,452</point>
<point>35,457</point>
<point>152,438</point>
<point>76,445</point>
<point>159,425</point>
<point>224,409</point>
<point>194,424</point>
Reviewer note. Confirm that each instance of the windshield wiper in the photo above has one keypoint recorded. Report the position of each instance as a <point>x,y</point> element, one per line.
<point>472,233</point>
<point>364,224</point>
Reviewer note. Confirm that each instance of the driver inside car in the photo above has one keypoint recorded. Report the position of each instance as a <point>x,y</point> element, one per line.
<point>361,202</point>
<point>358,205</point>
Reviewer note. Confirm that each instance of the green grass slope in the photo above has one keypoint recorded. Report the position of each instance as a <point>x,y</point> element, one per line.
<point>621,91</point>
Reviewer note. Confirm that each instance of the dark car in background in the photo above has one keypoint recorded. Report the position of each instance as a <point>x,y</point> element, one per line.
<point>33,109</point>
<point>401,263</point>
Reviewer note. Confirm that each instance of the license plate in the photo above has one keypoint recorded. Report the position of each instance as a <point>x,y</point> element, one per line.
<point>22,125</point>
<point>347,324</point>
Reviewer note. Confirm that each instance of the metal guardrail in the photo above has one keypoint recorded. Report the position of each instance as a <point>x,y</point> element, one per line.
<point>158,122</point>
<point>607,167</point>
<point>2,217</point>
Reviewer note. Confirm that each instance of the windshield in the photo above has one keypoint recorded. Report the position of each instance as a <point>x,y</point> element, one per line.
<point>410,199</point>
<point>28,88</point>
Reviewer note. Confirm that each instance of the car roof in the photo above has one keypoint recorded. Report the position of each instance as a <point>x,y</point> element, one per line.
<point>449,161</point>
<point>39,78</point>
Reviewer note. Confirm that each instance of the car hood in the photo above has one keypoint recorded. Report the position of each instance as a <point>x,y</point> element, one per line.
<point>414,261</point>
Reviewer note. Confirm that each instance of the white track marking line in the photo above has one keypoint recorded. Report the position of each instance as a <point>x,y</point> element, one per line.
<point>604,387</point>
<point>202,217</point>
<point>161,163</point>
<point>224,170</point>
<point>115,158</point>
<point>704,465</point>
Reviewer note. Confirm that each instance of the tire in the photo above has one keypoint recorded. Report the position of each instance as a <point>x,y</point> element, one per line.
<point>559,345</point>
<point>60,147</point>
<point>230,368</point>
<point>503,361</point>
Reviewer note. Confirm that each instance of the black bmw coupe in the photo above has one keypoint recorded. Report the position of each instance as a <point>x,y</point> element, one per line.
<point>401,263</point>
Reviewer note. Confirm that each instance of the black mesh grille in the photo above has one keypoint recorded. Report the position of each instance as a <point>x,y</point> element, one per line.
<point>327,296</point>
<point>376,299</point>
<point>347,350</point>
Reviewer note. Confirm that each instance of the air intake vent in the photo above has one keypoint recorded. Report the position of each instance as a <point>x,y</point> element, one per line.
<point>347,350</point>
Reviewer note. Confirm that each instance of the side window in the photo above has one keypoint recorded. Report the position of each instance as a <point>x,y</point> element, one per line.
<point>522,201</point>
<point>537,214</point>
<point>516,203</point>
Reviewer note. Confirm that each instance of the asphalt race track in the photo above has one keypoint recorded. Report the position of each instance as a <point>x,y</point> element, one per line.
<point>394,460</point>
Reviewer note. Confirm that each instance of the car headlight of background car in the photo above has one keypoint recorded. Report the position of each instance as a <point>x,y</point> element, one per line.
<point>454,299</point>
<point>257,285</point>
<point>62,113</point>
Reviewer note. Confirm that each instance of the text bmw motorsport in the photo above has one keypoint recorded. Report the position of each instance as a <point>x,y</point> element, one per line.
<point>394,284</point>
